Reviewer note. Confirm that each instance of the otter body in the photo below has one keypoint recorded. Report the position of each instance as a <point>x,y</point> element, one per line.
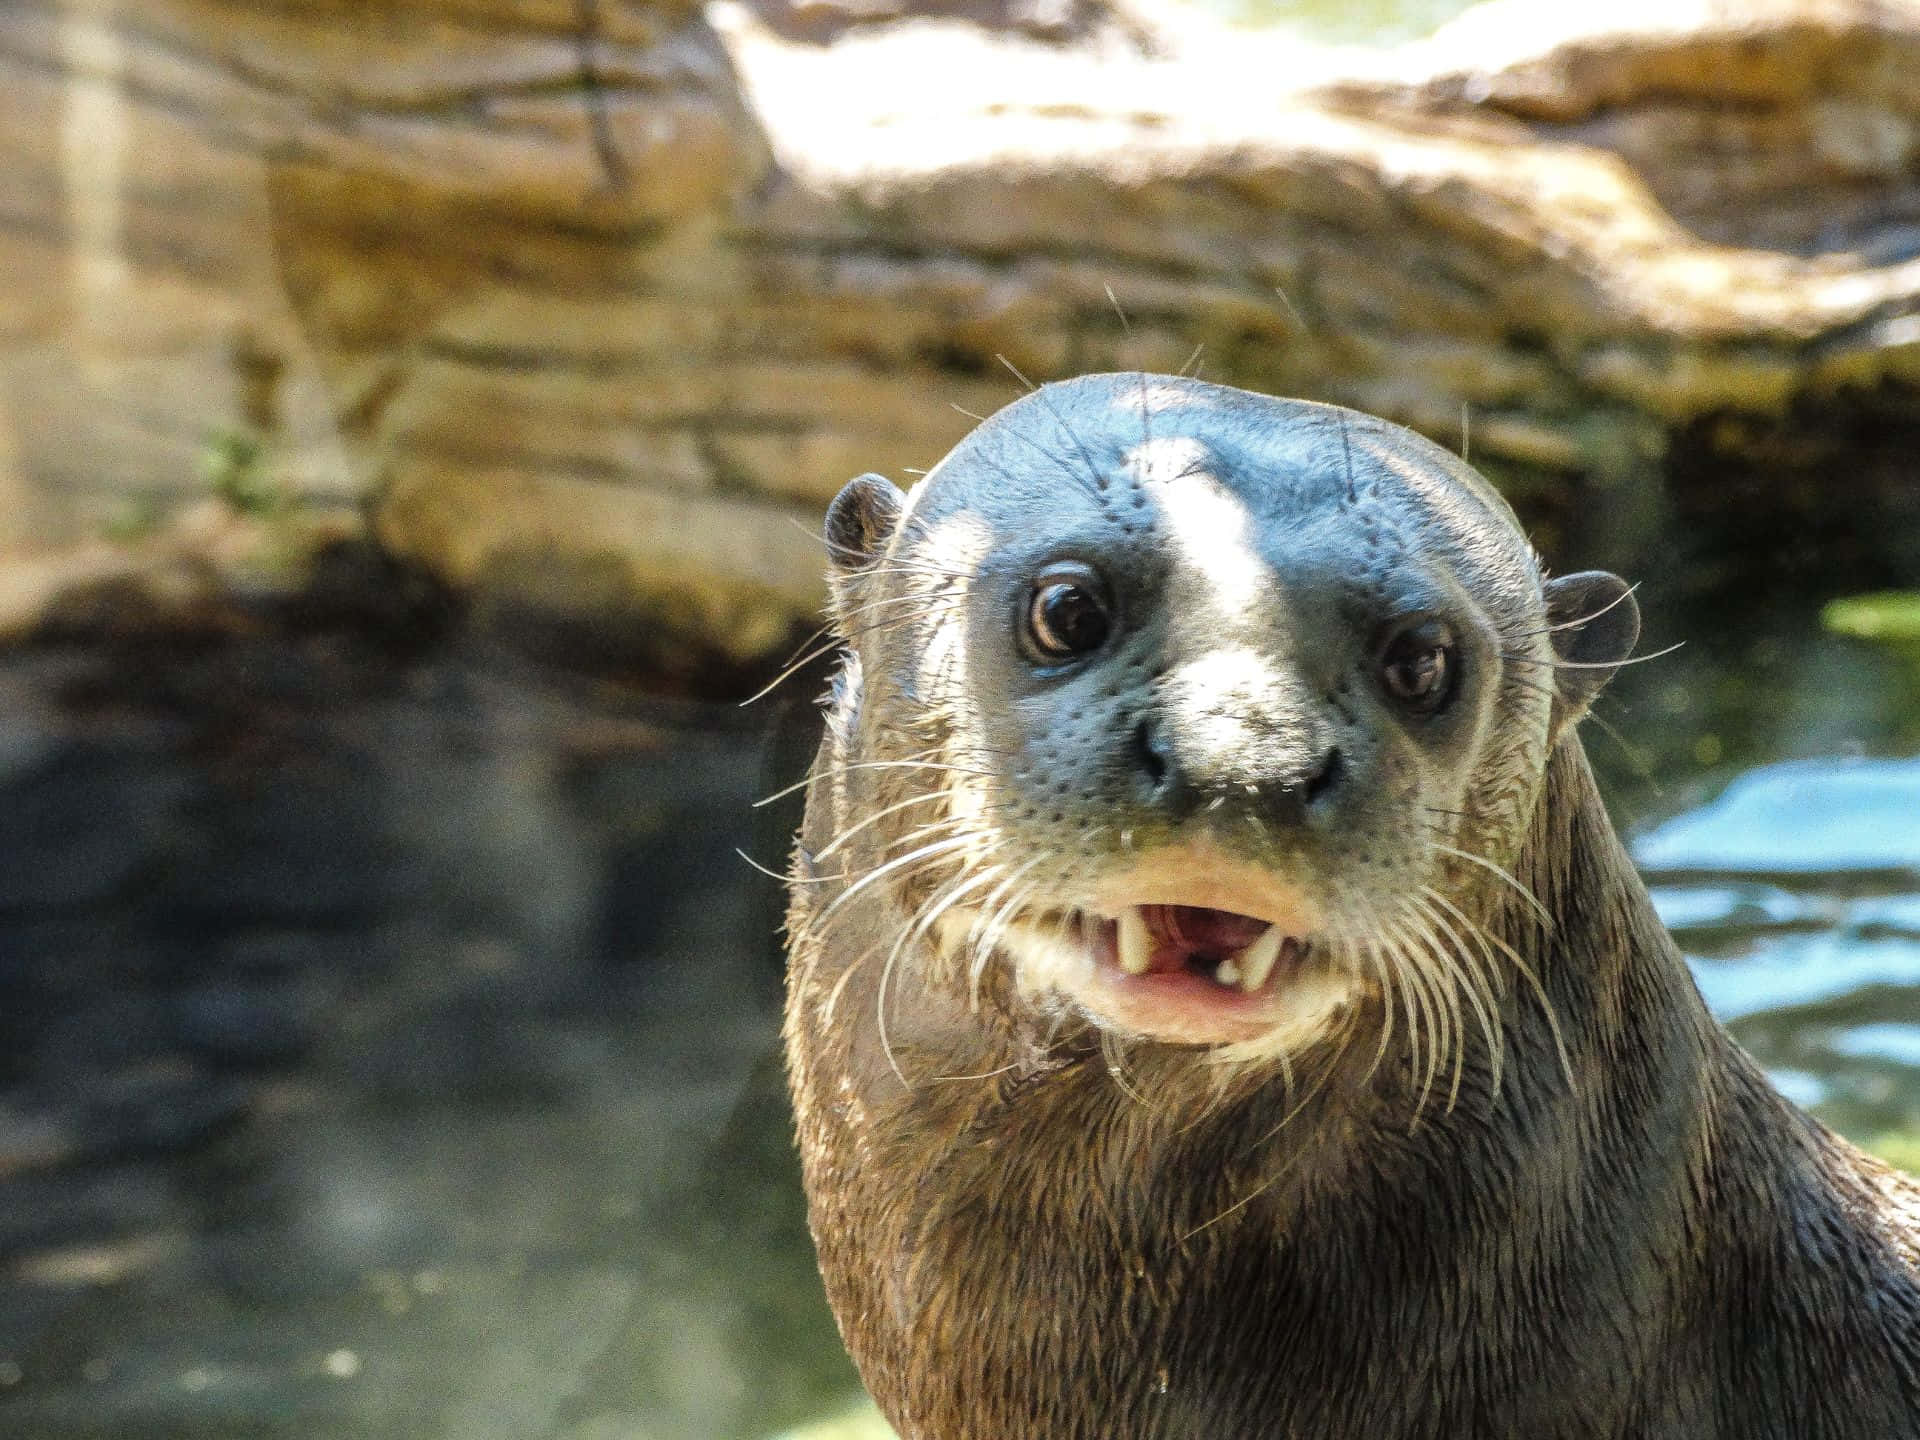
<point>1219,1005</point>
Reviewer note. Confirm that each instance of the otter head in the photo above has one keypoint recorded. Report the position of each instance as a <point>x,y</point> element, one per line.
<point>1201,718</point>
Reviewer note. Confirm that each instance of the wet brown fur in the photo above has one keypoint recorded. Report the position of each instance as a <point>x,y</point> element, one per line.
<point>1020,1242</point>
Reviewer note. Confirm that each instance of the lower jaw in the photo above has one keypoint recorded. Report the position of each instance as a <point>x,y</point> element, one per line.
<point>1188,1010</point>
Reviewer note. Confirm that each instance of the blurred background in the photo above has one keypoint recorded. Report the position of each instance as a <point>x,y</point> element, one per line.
<point>415,418</point>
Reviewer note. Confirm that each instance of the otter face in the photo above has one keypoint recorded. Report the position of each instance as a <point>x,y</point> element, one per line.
<point>1217,703</point>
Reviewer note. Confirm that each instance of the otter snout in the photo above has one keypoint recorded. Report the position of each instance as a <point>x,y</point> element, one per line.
<point>1198,747</point>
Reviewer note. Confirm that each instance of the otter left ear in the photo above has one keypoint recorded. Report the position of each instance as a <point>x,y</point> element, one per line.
<point>860,521</point>
<point>1594,623</point>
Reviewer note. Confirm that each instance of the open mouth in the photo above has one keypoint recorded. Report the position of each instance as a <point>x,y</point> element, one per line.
<point>1232,953</point>
<point>1184,946</point>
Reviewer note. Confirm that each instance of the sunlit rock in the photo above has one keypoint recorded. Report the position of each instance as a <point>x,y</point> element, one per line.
<point>584,306</point>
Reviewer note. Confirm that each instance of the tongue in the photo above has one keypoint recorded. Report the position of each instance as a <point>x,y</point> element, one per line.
<point>1213,933</point>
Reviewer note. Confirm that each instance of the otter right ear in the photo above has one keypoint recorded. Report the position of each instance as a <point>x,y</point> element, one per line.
<point>860,521</point>
<point>1594,622</point>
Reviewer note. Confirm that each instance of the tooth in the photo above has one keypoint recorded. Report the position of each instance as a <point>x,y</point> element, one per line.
<point>1136,945</point>
<point>1226,973</point>
<point>1257,960</point>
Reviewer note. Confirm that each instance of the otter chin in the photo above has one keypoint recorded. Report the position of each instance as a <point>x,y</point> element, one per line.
<point>1218,1003</point>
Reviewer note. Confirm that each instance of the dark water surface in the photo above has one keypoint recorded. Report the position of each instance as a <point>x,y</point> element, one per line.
<point>389,1051</point>
<point>390,1042</point>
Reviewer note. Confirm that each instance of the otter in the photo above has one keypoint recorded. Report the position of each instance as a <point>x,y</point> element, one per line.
<point>1219,1005</point>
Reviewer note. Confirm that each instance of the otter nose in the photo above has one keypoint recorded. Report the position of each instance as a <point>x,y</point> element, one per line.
<point>1284,789</point>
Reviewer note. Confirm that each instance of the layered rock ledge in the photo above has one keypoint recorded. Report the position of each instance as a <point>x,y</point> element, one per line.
<point>586,306</point>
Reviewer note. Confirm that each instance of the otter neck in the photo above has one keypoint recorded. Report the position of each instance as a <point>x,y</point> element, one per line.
<point>1626,1002</point>
<point>1294,1187</point>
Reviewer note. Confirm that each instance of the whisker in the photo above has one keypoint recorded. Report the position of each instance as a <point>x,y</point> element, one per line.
<point>1292,309</point>
<point>1093,471</point>
<point>910,933</point>
<point>1641,765</point>
<point>873,819</point>
<point>1370,948</point>
<point>783,877</point>
<point>880,1008</point>
<point>928,605</point>
<point>1533,900</point>
<point>1579,620</point>
<point>1000,907</point>
<point>938,596</point>
<point>1346,453</point>
<point>839,986</point>
<point>1527,973</point>
<point>820,634</point>
<point>938,904</point>
<point>931,850</point>
<point>789,672</point>
<point>1445,990</point>
<point>1420,986</point>
<point>1449,969</point>
<point>1109,1053</point>
<point>916,565</point>
<point>1393,942</point>
<point>983,1075</point>
<point>999,919</point>
<point>1558,664</point>
<point>1475,983</point>
<point>875,765</point>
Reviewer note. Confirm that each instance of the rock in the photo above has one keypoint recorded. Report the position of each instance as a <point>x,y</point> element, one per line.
<point>593,305</point>
<point>259,212</point>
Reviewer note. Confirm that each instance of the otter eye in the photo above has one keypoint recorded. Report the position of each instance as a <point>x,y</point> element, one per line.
<point>1067,613</point>
<point>1418,665</point>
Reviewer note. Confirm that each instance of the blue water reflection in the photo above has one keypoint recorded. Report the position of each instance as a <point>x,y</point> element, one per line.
<point>1804,970</point>
<point>1885,1040</point>
<point>1805,817</point>
<point>1796,895</point>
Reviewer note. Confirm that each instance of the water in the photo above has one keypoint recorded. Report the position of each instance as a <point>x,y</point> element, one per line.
<point>1796,894</point>
<point>1774,804</point>
<point>389,1050</point>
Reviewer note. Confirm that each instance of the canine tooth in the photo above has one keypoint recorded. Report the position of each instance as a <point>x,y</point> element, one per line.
<point>1257,960</point>
<point>1227,973</point>
<point>1136,945</point>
